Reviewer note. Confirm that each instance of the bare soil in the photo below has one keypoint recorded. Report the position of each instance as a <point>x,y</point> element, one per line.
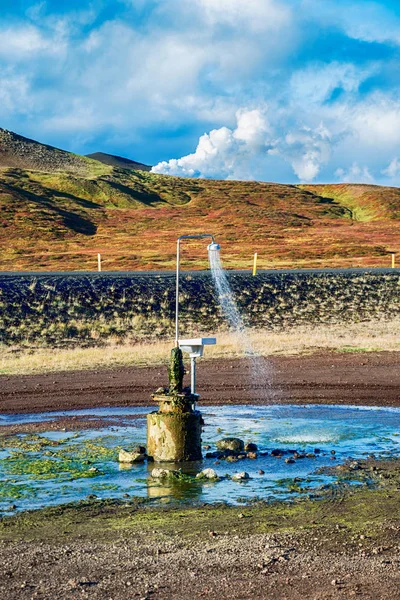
<point>321,378</point>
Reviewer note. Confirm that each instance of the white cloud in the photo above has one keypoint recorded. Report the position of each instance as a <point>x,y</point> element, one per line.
<point>377,121</point>
<point>355,174</point>
<point>276,100</point>
<point>22,41</point>
<point>223,152</point>
<point>316,83</point>
<point>257,15</point>
<point>393,169</point>
<point>228,153</point>
<point>307,150</point>
<point>14,92</point>
<point>252,127</point>
<point>369,21</point>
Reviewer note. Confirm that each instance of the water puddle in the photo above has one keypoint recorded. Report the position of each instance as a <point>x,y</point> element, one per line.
<point>60,466</point>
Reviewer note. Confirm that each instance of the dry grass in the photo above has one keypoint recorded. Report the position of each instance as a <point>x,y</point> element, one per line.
<point>372,336</point>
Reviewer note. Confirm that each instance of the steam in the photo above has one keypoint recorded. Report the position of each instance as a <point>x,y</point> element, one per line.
<point>248,148</point>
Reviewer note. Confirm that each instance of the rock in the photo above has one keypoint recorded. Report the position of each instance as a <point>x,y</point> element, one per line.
<point>299,455</point>
<point>289,461</point>
<point>242,476</point>
<point>231,459</point>
<point>241,456</point>
<point>207,474</point>
<point>252,455</point>
<point>234,444</point>
<point>333,452</point>
<point>206,447</point>
<point>261,472</point>
<point>163,473</point>
<point>93,470</point>
<point>354,466</point>
<point>131,457</point>
<point>213,455</point>
<point>276,452</point>
<point>317,450</point>
<point>250,447</point>
<point>310,455</point>
<point>139,449</point>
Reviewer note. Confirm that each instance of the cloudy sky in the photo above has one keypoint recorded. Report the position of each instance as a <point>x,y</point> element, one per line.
<point>276,90</point>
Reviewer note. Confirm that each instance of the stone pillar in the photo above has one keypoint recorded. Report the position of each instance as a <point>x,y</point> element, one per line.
<point>174,431</point>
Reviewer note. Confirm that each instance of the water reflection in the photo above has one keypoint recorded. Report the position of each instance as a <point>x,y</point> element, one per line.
<point>175,489</point>
<point>36,471</point>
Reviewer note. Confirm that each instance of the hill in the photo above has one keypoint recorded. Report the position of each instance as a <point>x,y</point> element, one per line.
<point>364,202</point>
<point>58,210</point>
<point>24,153</point>
<point>118,161</point>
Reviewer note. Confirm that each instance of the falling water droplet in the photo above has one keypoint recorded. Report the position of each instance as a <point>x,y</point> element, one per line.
<point>260,368</point>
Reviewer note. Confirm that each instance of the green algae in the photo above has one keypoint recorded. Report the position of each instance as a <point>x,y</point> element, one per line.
<point>47,468</point>
<point>90,450</point>
<point>100,487</point>
<point>28,442</point>
<point>15,491</point>
<point>357,511</point>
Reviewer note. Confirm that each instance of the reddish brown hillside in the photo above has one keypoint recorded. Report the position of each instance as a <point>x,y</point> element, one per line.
<point>61,222</point>
<point>58,210</point>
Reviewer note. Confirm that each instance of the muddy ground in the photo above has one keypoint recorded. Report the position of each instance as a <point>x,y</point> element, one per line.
<point>344,544</point>
<point>323,378</point>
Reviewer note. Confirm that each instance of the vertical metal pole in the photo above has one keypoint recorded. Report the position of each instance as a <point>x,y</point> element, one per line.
<point>177,294</point>
<point>99,262</point>
<point>393,261</point>
<point>255,264</point>
<point>193,374</point>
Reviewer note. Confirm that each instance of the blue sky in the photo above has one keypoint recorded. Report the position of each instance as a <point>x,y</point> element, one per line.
<point>276,90</point>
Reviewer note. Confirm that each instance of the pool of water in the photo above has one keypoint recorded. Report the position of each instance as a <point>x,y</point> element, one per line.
<point>59,467</point>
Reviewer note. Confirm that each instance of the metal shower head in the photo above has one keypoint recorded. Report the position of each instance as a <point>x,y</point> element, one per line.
<point>213,246</point>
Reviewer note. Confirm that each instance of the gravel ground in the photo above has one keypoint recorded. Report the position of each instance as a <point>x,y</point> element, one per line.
<point>344,545</point>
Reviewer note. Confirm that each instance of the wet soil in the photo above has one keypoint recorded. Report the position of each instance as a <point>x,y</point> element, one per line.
<point>344,545</point>
<point>321,378</point>
<point>68,423</point>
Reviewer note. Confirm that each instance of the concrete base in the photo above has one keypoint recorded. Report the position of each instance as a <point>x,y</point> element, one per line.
<point>174,436</point>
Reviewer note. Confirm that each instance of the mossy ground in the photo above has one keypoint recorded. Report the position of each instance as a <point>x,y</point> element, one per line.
<point>360,510</point>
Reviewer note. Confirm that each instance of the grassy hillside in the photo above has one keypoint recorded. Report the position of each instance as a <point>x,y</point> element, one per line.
<point>58,210</point>
<point>119,161</point>
<point>365,202</point>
